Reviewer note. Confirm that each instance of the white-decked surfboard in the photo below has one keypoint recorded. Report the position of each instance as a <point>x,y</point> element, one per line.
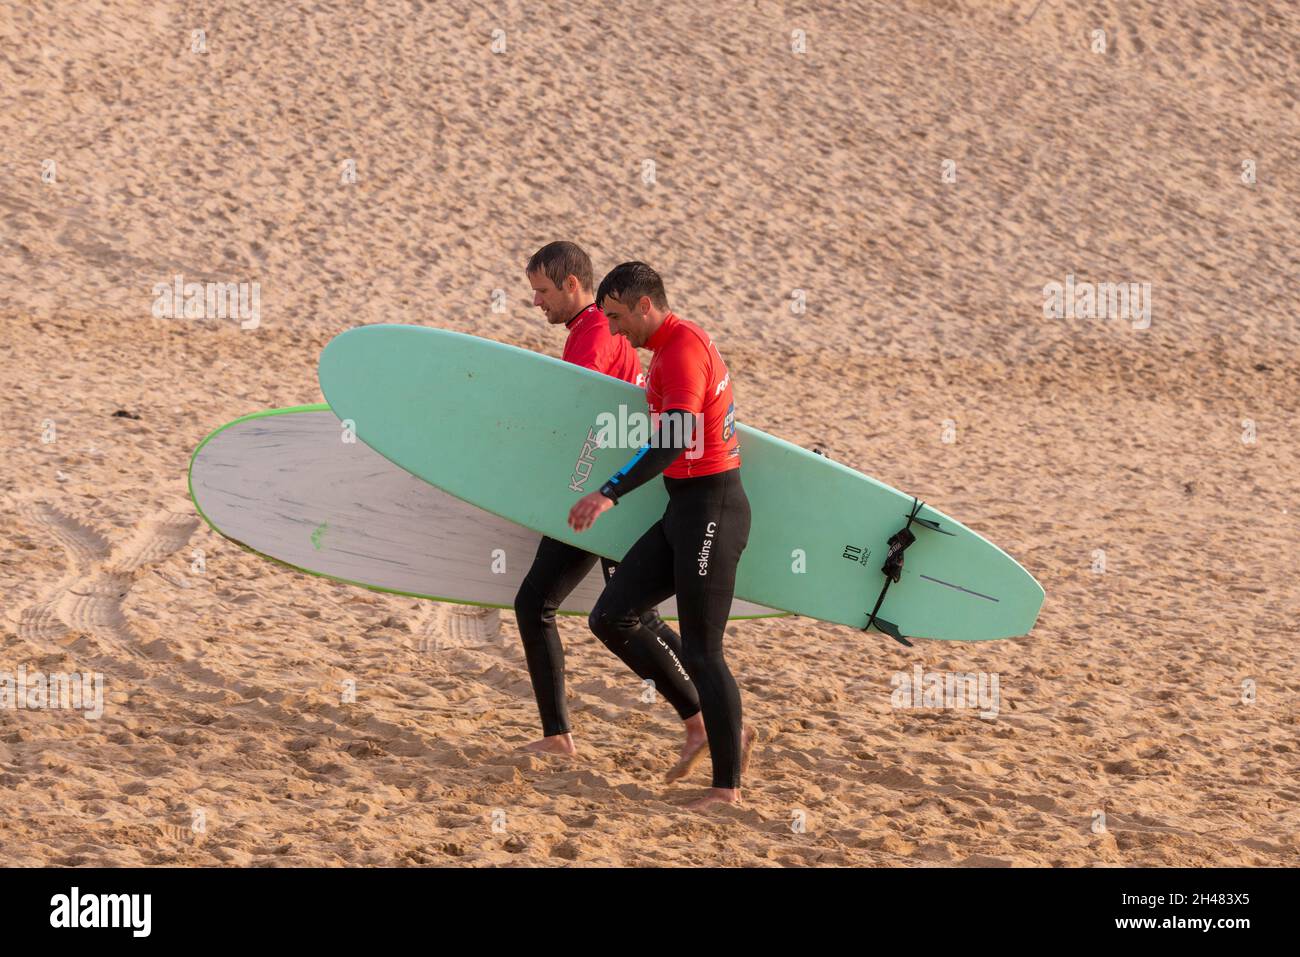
<point>285,484</point>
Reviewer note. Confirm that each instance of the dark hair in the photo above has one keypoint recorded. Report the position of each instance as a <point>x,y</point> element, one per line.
<point>561,260</point>
<point>628,282</point>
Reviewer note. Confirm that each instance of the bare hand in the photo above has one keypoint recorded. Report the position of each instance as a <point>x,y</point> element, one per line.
<point>587,509</point>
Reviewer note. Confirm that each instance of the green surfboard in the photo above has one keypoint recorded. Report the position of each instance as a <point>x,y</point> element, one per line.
<point>516,434</point>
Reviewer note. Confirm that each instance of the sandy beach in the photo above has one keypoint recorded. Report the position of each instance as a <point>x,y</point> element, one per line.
<point>864,209</point>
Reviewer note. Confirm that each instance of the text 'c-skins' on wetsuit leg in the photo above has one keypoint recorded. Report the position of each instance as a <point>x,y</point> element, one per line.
<point>693,551</point>
<point>652,621</point>
<point>708,521</point>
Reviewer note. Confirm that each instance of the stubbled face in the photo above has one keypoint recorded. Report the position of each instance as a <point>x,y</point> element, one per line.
<point>559,303</point>
<point>630,322</point>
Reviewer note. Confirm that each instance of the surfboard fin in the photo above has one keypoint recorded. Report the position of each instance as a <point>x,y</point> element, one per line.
<point>893,570</point>
<point>933,525</point>
<point>889,628</point>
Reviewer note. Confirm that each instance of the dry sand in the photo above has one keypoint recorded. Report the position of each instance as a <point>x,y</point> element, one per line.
<point>773,171</point>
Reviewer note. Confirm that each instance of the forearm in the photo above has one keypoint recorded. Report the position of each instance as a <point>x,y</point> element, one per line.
<point>673,438</point>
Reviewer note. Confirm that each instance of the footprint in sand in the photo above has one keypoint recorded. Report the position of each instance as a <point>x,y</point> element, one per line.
<point>442,626</point>
<point>98,579</point>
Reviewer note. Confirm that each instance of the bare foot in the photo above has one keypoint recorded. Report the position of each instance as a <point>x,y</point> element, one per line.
<point>555,744</point>
<point>715,796</point>
<point>697,743</point>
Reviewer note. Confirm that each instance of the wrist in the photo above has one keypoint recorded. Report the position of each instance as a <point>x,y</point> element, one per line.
<point>608,491</point>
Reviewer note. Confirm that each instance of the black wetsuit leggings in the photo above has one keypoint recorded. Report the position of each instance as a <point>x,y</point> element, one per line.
<point>654,654</point>
<point>691,552</point>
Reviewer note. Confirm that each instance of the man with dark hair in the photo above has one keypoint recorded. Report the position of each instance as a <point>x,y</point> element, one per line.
<point>560,275</point>
<point>694,549</point>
